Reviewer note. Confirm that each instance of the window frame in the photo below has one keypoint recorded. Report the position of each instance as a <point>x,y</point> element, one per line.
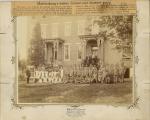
<point>79,46</point>
<point>81,25</point>
<point>66,30</point>
<point>44,35</point>
<point>67,44</point>
<point>54,32</point>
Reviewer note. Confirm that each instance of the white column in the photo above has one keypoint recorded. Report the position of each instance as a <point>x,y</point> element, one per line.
<point>84,43</point>
<point>54,51</point>
<point>45,54</point>
<point>57,48</point>
<point>99,48</point>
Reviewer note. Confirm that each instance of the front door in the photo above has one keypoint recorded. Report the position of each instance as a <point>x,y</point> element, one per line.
<point>90,48</point>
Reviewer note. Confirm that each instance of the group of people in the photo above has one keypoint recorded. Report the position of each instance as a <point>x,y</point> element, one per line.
<point>90,60</point>
<point>43,75</point>
<point>96,74</point>
<point>99,73</point>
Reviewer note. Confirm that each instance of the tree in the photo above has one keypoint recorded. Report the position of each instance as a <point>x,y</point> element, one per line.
<point>22,65</point>
<point>36,49</point>
<point>116,29</point>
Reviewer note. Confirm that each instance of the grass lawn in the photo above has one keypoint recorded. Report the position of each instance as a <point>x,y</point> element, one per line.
<point>114,94</point>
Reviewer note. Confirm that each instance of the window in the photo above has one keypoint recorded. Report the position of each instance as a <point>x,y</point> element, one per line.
<point>43,30</point>
<point>54,30</point>
<point>79,53</point>
<point>81,27</point>
<point>67,52</point>
<point>67,31</point>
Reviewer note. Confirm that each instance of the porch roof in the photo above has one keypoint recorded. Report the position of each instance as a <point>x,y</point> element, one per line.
<point>88,37</point>
<point>51,40</point>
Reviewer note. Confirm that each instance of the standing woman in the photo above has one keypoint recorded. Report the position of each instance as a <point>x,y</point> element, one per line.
<point>95,74</point>
<point>61,73</point>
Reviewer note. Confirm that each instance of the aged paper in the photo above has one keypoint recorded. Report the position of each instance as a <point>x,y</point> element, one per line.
<point>75,60</point>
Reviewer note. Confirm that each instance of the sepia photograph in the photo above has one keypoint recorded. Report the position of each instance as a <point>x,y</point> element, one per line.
<point>75,59</point>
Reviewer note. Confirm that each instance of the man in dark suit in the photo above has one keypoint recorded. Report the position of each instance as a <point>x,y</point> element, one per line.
<point>28,74</point>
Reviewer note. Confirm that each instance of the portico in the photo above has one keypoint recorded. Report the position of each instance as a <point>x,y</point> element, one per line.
<point>53,50</point>
<point>93,45</point>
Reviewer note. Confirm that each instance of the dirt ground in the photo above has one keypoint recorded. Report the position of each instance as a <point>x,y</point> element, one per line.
<point>114,94</point>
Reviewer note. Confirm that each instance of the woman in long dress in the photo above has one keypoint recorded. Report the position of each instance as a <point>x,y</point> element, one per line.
<point>61,73</point>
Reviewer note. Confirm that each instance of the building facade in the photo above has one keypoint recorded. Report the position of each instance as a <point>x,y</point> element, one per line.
<point>67,41</point>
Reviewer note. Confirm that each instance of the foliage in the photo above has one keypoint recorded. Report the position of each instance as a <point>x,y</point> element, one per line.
<point>36,50</point>
<point>117,29</point>
<point>22,68</point>
<point>22,65</point>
